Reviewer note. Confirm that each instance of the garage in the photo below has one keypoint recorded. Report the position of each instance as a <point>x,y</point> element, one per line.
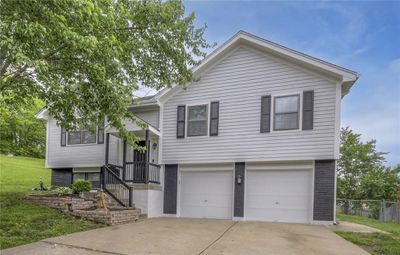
<point>206,193</point>
<point>280,193</point>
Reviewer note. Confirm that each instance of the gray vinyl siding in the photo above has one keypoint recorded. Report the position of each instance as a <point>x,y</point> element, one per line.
<point>238,82</point>
<point>151,117</point>
<point>82,155</point>
<point>116,147</point>
<point>87,155</point>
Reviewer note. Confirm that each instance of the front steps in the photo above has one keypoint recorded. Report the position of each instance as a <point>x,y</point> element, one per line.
<point>111,217</point>
<point>115,213</point>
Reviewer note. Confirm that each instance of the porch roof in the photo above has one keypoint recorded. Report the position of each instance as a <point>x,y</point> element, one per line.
<point>138,131</point>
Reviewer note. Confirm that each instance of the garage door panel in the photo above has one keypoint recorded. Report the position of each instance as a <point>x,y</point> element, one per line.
<point>192,211</point>
<point>219,212</point>
<point>277,201</point>
<point>280,178</point>
<point>279,215</point>
<point>205,199</point>
<point>206,194</point>
<point>281,195</point>
<point>217,200</point>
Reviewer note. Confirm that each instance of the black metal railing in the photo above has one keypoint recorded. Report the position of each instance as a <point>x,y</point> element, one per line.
<point>142,172</point>
<point>118,170</point>
<point>116,187</point>
<point>154,173</point>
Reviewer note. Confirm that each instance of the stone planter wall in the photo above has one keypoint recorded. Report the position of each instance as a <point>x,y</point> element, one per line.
<point>64,203</point>
<point>109,217</point>
<point>87,209</point>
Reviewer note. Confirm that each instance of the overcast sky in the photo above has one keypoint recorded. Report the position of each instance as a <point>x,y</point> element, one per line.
<point>362,36</point>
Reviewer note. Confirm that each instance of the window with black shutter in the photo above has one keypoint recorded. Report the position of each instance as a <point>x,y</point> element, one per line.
<point>265,125</point>
<point>286,112</point>
<point>308,110</point>
<point>180,123</point>
<point>197,120</point>
<point>214,118</point>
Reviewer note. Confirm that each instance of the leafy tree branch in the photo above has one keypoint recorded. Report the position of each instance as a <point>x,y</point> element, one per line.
<point>85,59</point>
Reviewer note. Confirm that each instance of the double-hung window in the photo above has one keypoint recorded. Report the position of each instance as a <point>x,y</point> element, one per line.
<point>197,120</point>
<point>286,112</point>
<point>81,136</point>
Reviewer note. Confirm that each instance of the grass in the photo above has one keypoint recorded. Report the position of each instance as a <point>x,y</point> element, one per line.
<point>23,221</point>
<point>375,243</point>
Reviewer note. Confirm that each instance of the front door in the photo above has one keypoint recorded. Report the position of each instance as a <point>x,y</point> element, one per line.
<point>139,165</point>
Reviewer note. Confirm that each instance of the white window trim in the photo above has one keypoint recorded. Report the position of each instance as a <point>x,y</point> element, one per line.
<point>272,122</point>
<point>86,175</point>
<point>186,120</point>
<point>81,144</point>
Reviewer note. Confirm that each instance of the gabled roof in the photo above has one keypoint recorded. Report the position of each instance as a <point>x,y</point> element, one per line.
<point>145,103</point>
<point>344,75</point>
<point>42,114</point>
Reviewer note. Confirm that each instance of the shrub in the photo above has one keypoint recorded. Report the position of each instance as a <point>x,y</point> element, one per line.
<point>63,191</point>
<point>81,186</point>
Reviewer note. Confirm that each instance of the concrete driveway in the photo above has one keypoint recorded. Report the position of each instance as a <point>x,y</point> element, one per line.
<point>195,236</point>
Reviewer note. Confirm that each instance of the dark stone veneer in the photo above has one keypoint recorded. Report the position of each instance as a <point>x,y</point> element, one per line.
<point>324,190</point>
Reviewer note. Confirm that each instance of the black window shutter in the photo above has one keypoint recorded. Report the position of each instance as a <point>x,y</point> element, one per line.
<point>308,110</point>
<point>180,123</point>
<point>100,133</point>
<point>63,137</point>
<point>265,126</point>
<point>214,118</point>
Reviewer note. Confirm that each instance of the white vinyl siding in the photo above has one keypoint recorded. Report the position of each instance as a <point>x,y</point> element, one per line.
<point>238,82</point>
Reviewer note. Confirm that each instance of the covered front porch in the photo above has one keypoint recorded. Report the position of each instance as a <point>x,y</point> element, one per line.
<point>125,167</point>
<point>129,164</point>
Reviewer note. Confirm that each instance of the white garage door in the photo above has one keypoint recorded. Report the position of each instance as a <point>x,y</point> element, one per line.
<point>279,195</point>
<point>206,194</point>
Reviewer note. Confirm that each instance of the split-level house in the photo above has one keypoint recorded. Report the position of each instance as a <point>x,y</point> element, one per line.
<point>256,137</point>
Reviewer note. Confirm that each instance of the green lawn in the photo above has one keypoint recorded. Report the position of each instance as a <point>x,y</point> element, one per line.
<point>375,243</point>
<point>22,221</point>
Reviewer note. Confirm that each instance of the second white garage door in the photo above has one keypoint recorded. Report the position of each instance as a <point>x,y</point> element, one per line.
<point>206,194</point>
<point>279,195</point>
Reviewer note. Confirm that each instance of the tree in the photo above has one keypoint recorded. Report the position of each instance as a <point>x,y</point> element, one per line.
<point>361,170</point>
<point>20,132</point>
<point>380,183</point>
<point>86,58</point>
